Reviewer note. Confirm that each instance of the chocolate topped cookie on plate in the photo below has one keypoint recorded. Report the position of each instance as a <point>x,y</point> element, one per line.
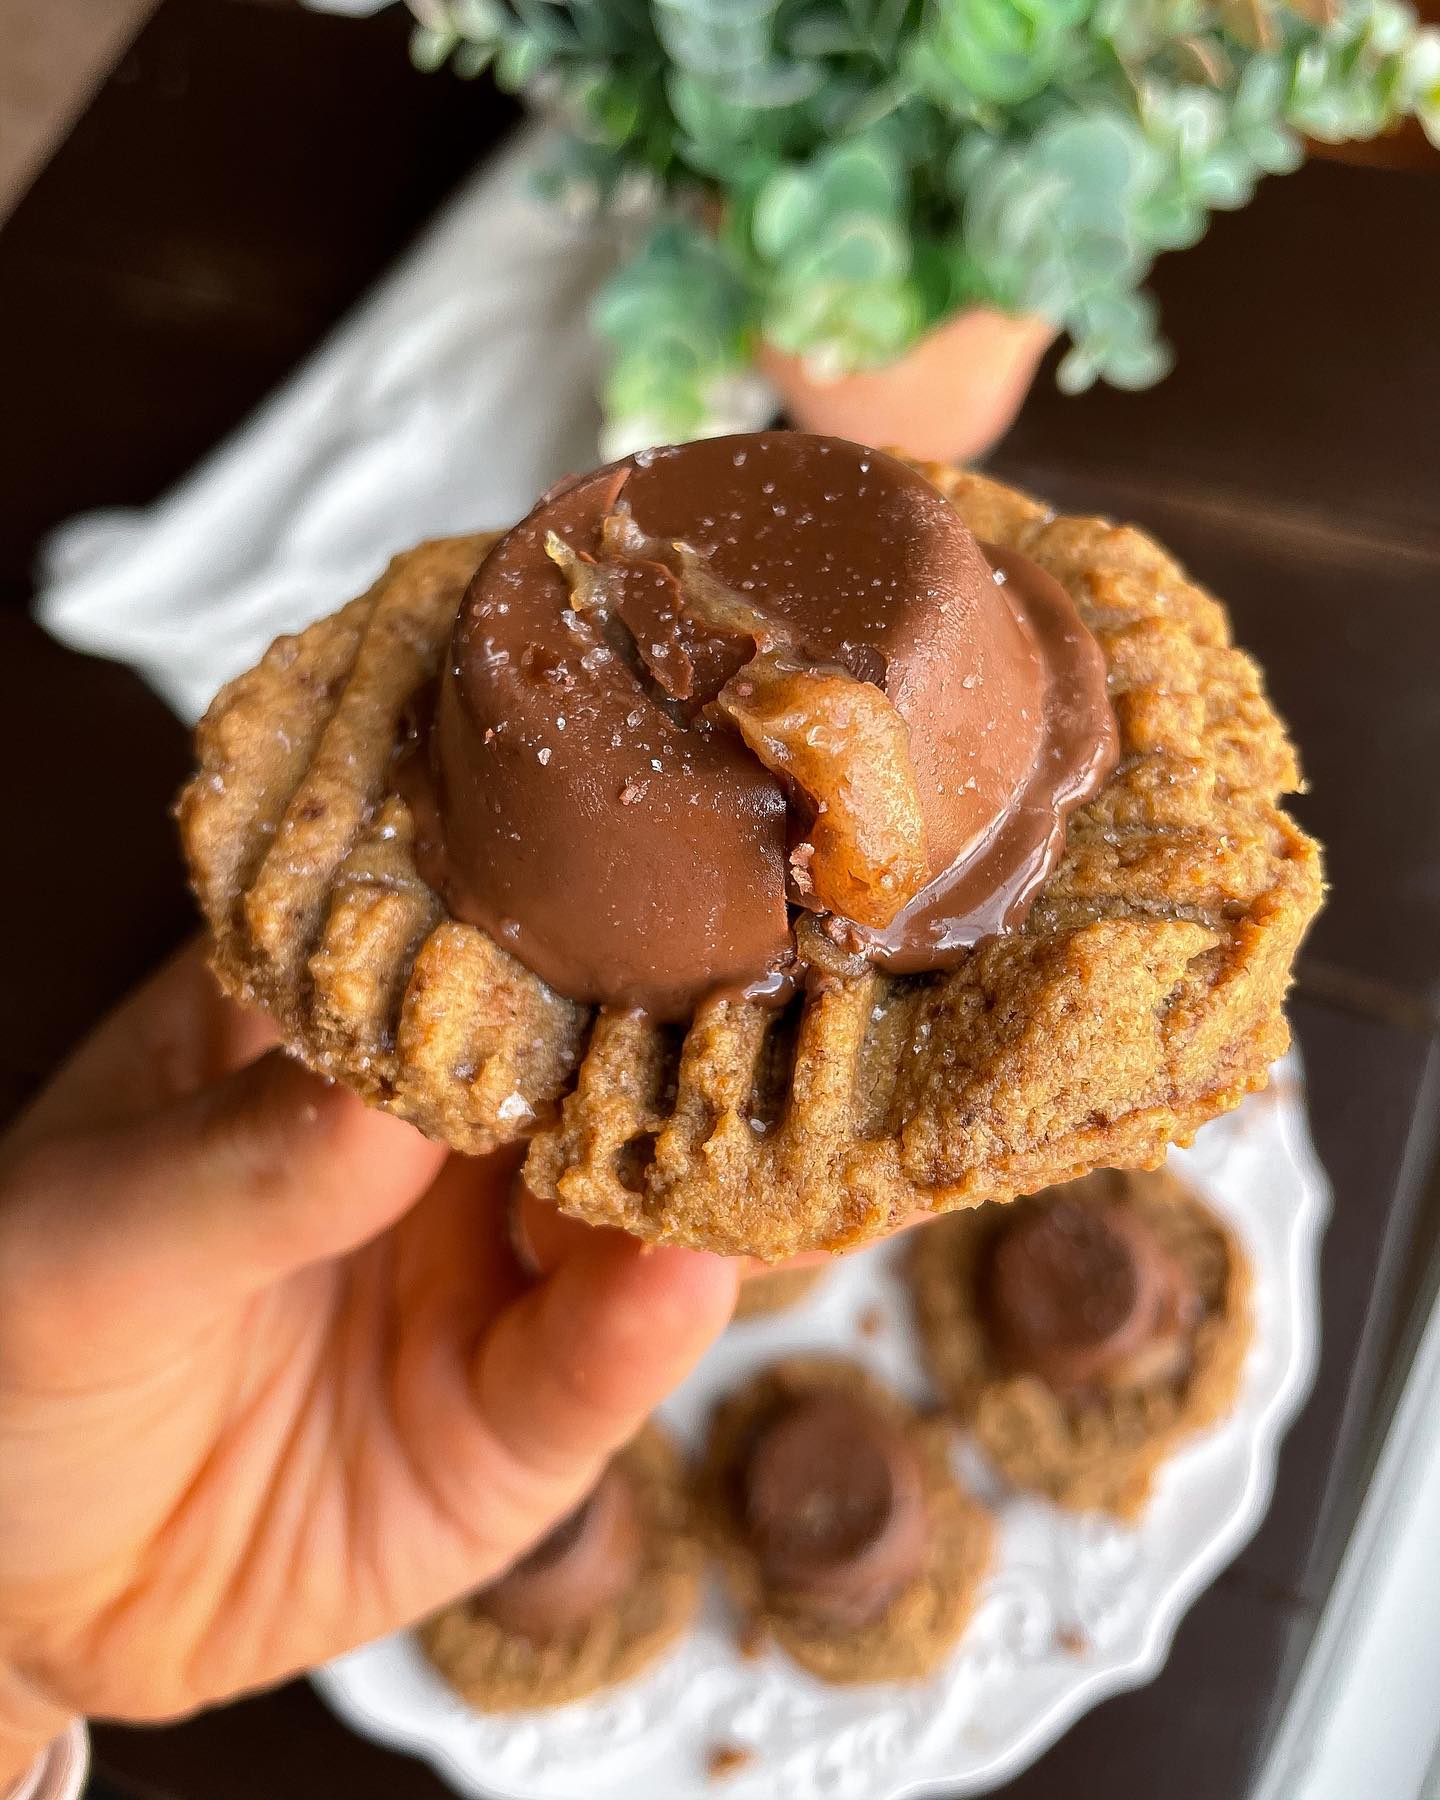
<point>1084,1332</point>
<point>781,835</point>
<point>608,1590</point>
<point>842,1530</point>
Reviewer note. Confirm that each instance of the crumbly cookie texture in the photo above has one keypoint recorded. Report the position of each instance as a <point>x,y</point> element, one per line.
<point>1142,995</point>
<point>916,1632</point>
<point>496,1671</point>
<point>1101,1456</point>
<point>775,1290</point>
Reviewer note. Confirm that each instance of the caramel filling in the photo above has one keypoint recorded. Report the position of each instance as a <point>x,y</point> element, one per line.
<point>837,743</point>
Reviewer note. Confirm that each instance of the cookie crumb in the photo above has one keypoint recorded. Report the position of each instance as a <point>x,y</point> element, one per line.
<point>1072,1640</point>
<point>871,1322</point>
<point>727,1759</point>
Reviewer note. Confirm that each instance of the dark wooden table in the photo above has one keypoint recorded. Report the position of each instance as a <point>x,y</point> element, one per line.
<point>244,174</point>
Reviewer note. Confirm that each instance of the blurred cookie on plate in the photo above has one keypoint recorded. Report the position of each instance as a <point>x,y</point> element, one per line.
<point>1084,1332</point>
<point>776,1290</point>
<point>843,1532</point>
<point>606,1593</point>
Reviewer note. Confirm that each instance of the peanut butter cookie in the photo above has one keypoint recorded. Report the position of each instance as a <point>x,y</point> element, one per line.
<point>844,1534</point>
<point>1083,1333</point>
<point>494,897</point>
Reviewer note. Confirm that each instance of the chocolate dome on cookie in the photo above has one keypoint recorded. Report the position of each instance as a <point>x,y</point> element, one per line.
<point>1084,1294</point>
<point>834,1506</point>
<point>1083,1333</point>
<point>842,1530</point>
<point>711,684</point>
<point>609,1589</point>
<point>584,1564</point>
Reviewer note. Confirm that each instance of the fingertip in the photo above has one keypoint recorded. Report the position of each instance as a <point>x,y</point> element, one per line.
<point>276,1103</point>
<point>576,1365</point>
<point>372,1131</point>
<point>648,1312</point>
<point>694,1284</point>
<point>545,1239</point>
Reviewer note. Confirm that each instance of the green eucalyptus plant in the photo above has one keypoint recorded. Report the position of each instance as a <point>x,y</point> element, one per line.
<point>837,176</point>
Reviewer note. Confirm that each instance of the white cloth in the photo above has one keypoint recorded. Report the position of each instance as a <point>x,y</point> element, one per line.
<point>457,391</point>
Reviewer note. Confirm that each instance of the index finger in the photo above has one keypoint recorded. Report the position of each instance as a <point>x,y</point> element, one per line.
<point>175,1034</point>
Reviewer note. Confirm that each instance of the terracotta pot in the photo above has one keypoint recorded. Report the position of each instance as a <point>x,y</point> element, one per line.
<point>951,397</point>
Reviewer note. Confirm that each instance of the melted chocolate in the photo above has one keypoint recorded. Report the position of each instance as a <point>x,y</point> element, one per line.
<point>990,881</point>
<point>834,1508</point>
<point>582,799</point>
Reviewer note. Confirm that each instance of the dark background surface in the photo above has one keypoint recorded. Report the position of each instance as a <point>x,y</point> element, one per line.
<point>245,173</point>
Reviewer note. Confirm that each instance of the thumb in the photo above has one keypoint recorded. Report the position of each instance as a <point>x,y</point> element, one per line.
<point>210,1197</point>
<point>572,1369</point>
<point>507,1413</point>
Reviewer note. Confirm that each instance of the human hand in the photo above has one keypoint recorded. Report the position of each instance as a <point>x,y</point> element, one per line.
<point>271,1380</point>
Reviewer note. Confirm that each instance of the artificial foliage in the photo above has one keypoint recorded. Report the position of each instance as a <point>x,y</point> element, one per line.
<point>834,177</point>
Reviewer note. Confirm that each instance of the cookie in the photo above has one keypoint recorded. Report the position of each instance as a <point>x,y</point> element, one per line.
<point>908,1625</point>
<point>1073,1434</point>
<point>495,1667</point>
<point>1152,962</point>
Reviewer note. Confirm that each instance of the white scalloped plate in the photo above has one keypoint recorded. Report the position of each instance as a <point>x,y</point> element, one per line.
<point>1075,1610</point>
